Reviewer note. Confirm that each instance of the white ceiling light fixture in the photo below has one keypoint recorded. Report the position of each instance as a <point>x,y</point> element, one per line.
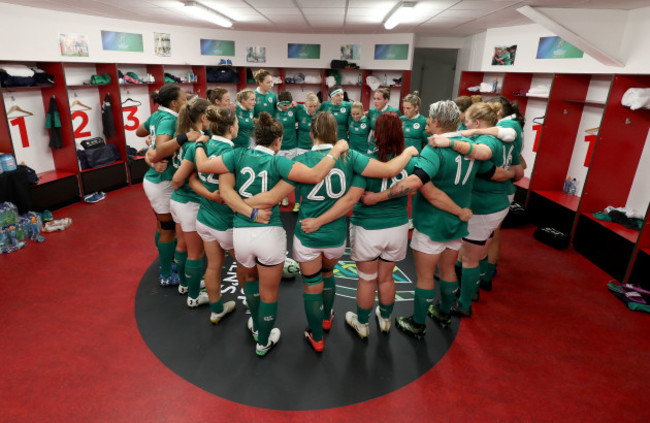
<point>199,11</point>
<point>398,13</point>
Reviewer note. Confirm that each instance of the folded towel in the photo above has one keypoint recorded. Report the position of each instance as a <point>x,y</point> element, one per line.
<point>17,70</point>
<point>636,98</point>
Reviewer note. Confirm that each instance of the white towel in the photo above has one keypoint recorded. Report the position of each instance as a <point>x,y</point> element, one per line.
<point>373,82</point>
<point>486,87</point>
<point>17,70</point>
<point>636,98</point>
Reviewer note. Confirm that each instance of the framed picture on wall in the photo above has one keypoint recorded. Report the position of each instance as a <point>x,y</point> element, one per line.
<point>504,55</point>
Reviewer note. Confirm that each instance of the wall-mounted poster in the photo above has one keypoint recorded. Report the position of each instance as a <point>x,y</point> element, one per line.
<point>122,41</point>
<point>504,55</point>
<point>350,51</point>
<point>391,51</point>
<point>556,48</point>
<point>162,44</point>
<point>256,54</point>
<point>303,51</point>
<point>217,47</point>
<point>73,45</point>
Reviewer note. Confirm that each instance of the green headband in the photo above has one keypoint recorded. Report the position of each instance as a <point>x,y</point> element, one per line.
<point>284,103</point>
<point>336,91</point>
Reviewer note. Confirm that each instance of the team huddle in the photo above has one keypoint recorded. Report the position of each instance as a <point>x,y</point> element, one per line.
<point>219,171</point>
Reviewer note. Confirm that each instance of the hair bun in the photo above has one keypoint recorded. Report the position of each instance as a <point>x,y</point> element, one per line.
<point>416,93</point>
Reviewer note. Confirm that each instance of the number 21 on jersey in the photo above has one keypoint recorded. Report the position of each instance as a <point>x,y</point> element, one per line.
<point>251,178</point>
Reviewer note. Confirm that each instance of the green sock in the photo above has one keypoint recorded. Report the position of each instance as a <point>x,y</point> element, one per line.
<point>423,298</point>
<point>363,314</point>
<point>252,293</point>
<point>193,273</point>
<point>447,296</point>
<point>329,291</point>
<point>266,321</point>
<point>471,276</point>
<point>385,310</point>
<point>483,265</point>
<point>491,268</point>
<point>180,257</point>
<point>157,238</point>
<point>217,307</point>
<point>166,253</point>
<point>314,312</point>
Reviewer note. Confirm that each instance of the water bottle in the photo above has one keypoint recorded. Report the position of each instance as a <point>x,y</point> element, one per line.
<point>360,79</point>
<point>385,80</point>
<point>567,183</point>
<point>573,187</point>
<point>495,84</point>
<point>7,162</point>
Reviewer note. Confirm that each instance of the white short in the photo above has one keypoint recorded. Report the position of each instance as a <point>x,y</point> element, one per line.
<point>422,243</point>
<point>388,244</point>
<point>481,226</point>
<point>185,214</point>
<point>300,151</point>
<point>264,244</point>
<point>511,198</point>
<point>159,195</point>
<point>208,234</point>
<point>289,154</point>
<point>303,254</point>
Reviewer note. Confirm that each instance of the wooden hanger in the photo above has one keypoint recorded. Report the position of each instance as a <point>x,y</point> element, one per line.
<point>79,103</point>
<point>539,120</point>
<point>17,108</point>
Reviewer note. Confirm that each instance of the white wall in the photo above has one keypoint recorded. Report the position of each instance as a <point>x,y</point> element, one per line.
<point>34,34</point>
<point>632,45</point>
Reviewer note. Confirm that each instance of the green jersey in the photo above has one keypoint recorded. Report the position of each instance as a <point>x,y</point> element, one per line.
<point>341,113</point>
<point>491,196</point>
<point>359,132</point>
<point>304,127</point>
<point>320,197</point>
<point>215,215</point>
<point>414,134</point>
<point>506,58</point>
<point>256,170</point>
<point>185,193</point>
<point>162,122</point>
<point>288,121</point>
<point>386,214</point>
<point>462,127</point>
<point>454,174</point>
<point>373,114</point>
<point>265,102</point>
<point>245,120</point>
<point>513,152</point>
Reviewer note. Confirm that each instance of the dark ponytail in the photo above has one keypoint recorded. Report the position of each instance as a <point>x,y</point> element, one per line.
<point>166,94</point>
<point>509,108</point>
<point>267,130</point>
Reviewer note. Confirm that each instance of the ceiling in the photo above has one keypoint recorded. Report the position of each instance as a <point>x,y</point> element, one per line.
<point>429,17</point>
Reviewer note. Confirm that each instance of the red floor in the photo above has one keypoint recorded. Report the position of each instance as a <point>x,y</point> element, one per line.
<point>548,344</point>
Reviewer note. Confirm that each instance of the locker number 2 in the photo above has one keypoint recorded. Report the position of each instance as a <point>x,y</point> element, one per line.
<point>79,132</point>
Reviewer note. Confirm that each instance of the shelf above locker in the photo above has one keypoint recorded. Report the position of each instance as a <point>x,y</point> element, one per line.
<point>32,87</point>
<point>586,102</point>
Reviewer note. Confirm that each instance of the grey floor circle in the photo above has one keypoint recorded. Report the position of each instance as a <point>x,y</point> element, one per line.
<point>221,358</point>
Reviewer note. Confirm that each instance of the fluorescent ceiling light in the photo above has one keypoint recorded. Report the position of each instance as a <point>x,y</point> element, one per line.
<point>199,11</point>
<point>399,12</point>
